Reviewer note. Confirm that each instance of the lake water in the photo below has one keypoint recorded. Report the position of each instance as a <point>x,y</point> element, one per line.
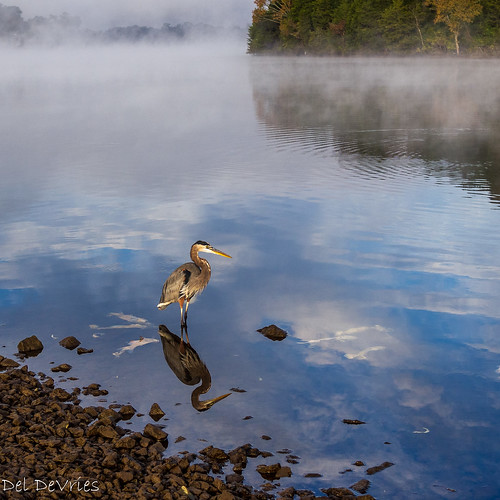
<point>360,200</point>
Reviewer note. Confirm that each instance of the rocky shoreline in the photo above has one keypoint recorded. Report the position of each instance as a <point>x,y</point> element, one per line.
<point>52,447</point>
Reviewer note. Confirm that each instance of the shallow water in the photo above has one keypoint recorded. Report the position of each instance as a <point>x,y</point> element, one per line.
<point>360,201</point>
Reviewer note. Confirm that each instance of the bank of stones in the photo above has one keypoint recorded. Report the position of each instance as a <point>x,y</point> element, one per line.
<point>52,444</point>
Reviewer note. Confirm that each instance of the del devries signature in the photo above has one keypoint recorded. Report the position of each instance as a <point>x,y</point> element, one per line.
<point>26,484</point>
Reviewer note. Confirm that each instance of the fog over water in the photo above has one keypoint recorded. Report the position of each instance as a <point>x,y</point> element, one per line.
<point>359,199</point>
<point>97,14</point>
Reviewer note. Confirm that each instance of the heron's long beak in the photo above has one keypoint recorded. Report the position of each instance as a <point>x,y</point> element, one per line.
<point>206,405</point>
<point>217,252</point>
<point>211,402</point>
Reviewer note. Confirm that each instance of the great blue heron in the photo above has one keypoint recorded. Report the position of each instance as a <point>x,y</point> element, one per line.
<point>189,279</point>
<point>188,368</point>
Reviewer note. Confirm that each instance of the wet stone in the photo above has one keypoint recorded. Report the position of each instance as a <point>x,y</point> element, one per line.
<point>126,442</point>
<point>156,413</point>
<point>154,432</point>
<point>109,415</point>
<point>215,454</point>
<point>64,367</point>
<point>361,486</point>
<point>287,492</point>
<point>31,346</point>
<point>104,431</point>
<point>126,412</point>
<point>305,494</point>
<point>82,350</point>
<point>275,471</point>
<point>339,493</point>
<point>273,332</point>
<point>349,421</point>
<point>61,394</point>
<point>8,363</point>
<point>70,343</point>
<point>234,478</point>
<point>94,390</point>
<point>378,468</point>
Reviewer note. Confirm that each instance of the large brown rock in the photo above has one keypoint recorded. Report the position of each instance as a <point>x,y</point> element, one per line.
<point>31,346</point>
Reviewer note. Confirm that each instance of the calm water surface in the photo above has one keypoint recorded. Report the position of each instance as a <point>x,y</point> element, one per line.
<point>360,200</point>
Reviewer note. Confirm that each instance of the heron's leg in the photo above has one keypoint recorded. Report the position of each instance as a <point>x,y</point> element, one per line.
<point>186,330</point>
<point>186,313</point>
<point>181,305</point>
<point>182,347</point>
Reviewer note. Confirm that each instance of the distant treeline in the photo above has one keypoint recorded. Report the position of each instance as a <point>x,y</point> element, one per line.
<point>54,30</point>
<point>375,26</point>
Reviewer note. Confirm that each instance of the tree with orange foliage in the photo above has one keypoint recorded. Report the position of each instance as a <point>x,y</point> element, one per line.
<point>275,10</point>
<point>455,14</point>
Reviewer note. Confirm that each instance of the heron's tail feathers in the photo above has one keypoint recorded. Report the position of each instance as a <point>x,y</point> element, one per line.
<point>163,305</point>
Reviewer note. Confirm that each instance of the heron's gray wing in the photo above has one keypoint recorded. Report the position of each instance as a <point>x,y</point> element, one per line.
<point>177,284</point>
<point>173,287</point>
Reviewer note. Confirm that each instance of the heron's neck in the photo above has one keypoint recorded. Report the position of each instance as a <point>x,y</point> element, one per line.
<point>206,383</point>
<point>201,263</point>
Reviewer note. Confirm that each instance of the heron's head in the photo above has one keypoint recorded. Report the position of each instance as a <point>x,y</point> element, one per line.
<point>205,405</point>
<point>203,246</point>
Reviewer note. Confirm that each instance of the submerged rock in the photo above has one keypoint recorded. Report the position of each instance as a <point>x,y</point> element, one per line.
<point>353,422</point>
<point>64,367</point>
<point>378,468</point>
<point>273,332</point>
<point>82,350</point>
<point>339,493</point>
<point>30,346</point>
<point>274,471</point>
<point>361,486</point>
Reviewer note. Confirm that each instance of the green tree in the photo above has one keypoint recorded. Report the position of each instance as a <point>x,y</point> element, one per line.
<point>456,14</point>
<point>364,29</point>
<point>486,28</point>
<point>399,26</point>
<point>374,26</point>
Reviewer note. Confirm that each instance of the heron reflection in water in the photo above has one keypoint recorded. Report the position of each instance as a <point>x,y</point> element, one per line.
<point>188,280</point>
<point>188,368</point>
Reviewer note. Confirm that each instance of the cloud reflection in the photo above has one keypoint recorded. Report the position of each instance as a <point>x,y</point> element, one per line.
<point>131,321</point>
<point>134,344</point>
